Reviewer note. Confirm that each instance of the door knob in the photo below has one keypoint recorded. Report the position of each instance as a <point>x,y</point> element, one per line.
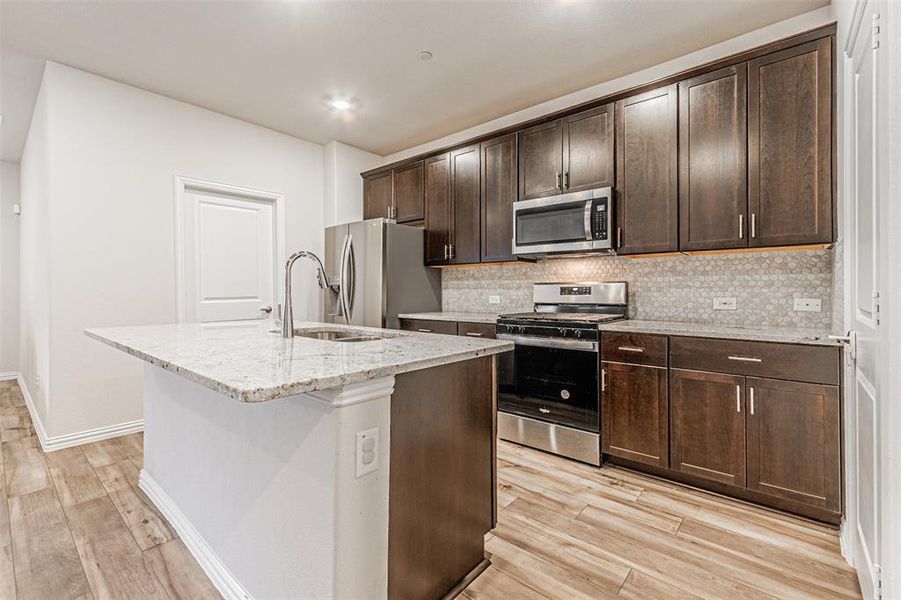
<point>266,309</point>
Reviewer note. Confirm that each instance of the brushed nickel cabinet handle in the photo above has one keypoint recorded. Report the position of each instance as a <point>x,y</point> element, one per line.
<point>753,225</point>
<point>619,237</point>
<point>557,175</point>
<point>543,411</point>
<point>424,330</point>
<point>630,349</point>
<point>473,334</point>
<point>741,226</point>
<point>603,380</point>
<point>738,398</point>
<point>746,359</point>
<point>752,400</point>
<point>566,180</point>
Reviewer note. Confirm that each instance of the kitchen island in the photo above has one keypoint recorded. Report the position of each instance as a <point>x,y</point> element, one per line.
<point>346,462</point>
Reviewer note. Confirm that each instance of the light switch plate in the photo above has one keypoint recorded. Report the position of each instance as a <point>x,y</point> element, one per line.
<point>725,304</point>
<point>808,304</point>
<point>367,452</point>
<point>494,299</point>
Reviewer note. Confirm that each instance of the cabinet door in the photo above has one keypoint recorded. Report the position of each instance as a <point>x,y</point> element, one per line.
<point>708,428</point>
<point>466,189</point>
<point>646,193</point>
<point>541,160</point>
<point>635,413</point>
<point>377,195</point>
<point>793,441</point>
<point>713,179</point>
<point>588,149</point>
<point>408,196</point>
<point>498,196</point>
<point>790,145</point>
<point>437,209</point>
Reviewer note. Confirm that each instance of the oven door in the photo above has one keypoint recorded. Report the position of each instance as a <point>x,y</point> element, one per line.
<point>577,222</point>
<point>550,380</point>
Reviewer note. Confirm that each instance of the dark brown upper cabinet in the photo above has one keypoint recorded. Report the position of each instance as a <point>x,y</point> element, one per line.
<point>708,425</point>
<point>588,149</point>
<point>408,193</point>
<point>793,442</point>
<point>713,183</point>
<point>541,160</point>
<point>498,196</point>
<point>437,181</point>
<point>465,207</point>
<point>567,155</point>
<point>790,146</point>
<point>378,196</point>
<point>646,190</point>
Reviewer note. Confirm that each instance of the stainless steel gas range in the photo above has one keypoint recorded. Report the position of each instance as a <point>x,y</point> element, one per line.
<point>548,386</point>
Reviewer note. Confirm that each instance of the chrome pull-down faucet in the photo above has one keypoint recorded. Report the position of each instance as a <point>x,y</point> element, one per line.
<point>321,277</point>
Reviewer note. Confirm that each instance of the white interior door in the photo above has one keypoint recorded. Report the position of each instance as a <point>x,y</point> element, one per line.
<point>230,257</point>
<point>864,93</point>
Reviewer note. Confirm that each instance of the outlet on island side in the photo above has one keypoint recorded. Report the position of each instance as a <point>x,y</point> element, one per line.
<point>494,299</point>
<point>367,452</point>
<point>725,304</point>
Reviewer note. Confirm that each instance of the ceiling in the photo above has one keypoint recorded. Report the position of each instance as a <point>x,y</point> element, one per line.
<point>271,63</point>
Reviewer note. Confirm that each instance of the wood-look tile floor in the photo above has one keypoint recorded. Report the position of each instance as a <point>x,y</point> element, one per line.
<point>74,525</point>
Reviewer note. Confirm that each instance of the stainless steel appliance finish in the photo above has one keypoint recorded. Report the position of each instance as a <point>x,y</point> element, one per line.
<point>563,441</point>
<point>578,222</point>
<point>548,386</point>
<point>376,267</point>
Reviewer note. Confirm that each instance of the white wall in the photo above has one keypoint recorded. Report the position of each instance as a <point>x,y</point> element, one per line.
<point>111,154</point>
<point>34,259</point>
<point>9,268</point>
<point>809,20</point>
<point>343,185</point>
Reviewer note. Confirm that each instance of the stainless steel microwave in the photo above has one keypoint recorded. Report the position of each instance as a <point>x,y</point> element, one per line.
<point>578,222</point>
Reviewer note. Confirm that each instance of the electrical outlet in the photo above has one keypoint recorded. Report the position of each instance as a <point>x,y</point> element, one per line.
<point>808,304</point>
<point>494,299</point>
<point>37,381</point>
<point>725,304</point>
<point>367,453</point>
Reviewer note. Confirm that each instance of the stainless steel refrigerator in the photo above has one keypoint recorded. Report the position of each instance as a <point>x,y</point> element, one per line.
<point>379,271</point>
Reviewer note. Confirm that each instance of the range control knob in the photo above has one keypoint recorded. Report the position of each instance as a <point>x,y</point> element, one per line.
<point>561,331</point>
<point>578,333</point>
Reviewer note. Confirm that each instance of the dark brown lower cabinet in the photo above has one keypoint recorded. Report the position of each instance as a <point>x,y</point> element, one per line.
<point>635,413</point>
<point>793,441</point>
<point>708,425</point>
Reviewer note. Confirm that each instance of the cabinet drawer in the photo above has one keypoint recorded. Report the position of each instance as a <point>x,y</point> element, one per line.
<point>634,348</point>
<point>477,330</point>
<point>811,364</point>
<point>426,326</point>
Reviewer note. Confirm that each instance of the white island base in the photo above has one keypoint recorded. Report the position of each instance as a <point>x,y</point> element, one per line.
<point>265,495</point>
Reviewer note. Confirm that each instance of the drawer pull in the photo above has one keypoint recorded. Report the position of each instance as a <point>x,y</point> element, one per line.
<point>630,349</point>
<point>746,359</point>
<point>738,398</point>
<point>544,411</point>
<point>603,380</point>
<point>424,330</point>
<point>752,401</point>
<point>473,334</point>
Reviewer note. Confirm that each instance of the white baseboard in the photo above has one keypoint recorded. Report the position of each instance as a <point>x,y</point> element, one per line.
<point>211,564</point>
<point>9,375</point>
<point>58,442</point>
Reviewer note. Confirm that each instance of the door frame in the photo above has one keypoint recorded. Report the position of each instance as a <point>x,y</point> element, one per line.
<point>887,570</point>
<point>182,186</point>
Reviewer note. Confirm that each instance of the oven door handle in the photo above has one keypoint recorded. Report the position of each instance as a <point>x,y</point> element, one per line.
<point>544,342</point>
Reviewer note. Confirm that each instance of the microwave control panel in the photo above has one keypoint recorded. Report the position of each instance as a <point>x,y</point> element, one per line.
<point>600,218</point>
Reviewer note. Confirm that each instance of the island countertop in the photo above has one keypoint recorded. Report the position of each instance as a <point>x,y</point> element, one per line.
<point>250,363</point>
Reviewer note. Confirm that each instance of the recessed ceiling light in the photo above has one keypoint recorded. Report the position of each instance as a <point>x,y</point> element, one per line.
<point>339,104</point>
<point>425,55</point>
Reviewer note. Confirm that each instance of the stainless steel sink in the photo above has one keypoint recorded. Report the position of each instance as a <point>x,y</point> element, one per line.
<point>337,335</point>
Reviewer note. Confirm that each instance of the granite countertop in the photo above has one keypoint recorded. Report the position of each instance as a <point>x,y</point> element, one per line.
<point>465,317</point>
<point>816,337</point>
<point>251,364</point>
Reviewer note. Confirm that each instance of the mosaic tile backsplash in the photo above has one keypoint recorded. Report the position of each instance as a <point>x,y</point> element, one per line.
<point>671,288</point>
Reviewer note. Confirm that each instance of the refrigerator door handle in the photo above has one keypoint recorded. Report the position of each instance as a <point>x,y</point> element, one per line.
<point>342,280</point>
<point>351,277</point>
